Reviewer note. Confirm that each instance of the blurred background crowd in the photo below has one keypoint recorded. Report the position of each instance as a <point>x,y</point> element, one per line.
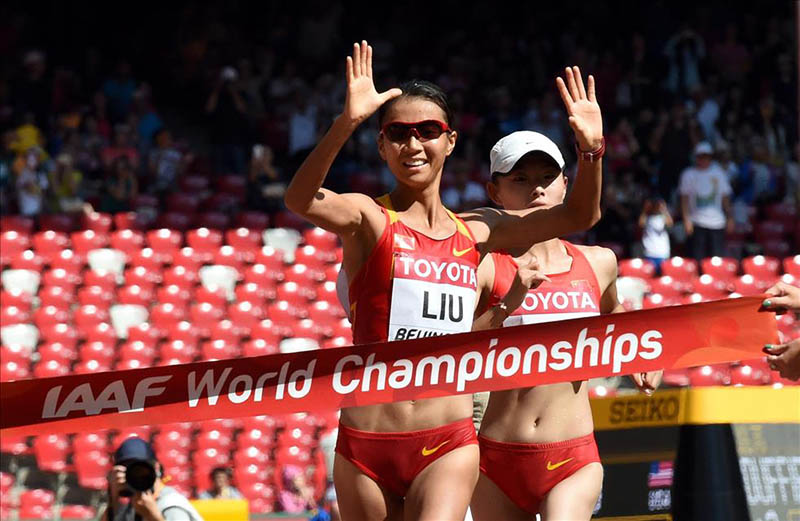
<point>113,114</point>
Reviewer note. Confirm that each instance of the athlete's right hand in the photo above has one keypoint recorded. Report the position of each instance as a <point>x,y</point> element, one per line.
<point>782,297</point>
<point>362,100</point>
<point>528,277</point>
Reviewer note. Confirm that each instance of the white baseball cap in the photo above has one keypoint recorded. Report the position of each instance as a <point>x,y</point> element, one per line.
<point>510,149</point>
<point>703,148</point>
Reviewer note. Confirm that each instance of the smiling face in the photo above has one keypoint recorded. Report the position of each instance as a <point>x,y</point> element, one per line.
<point>414,162</point>
<point>534,182</point>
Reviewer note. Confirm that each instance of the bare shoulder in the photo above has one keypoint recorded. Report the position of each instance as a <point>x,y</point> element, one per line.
<point>603,262</point>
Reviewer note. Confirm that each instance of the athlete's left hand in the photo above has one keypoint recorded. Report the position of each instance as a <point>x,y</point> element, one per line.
<point>647,383</point>
<point>582,108</point>
<point>785,359</point>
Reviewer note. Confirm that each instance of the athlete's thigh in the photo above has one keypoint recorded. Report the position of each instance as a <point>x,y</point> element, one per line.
<point>489,503</point>
<point>441,492</point>
<point>360,497</point>
<point>574,498</point>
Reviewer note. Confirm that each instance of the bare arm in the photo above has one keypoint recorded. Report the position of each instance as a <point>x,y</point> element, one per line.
<point>341,214</point>
<point>687,222</point>
<point>502,229</point>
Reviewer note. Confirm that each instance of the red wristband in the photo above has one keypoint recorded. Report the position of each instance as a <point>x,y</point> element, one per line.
<point>593,155</point>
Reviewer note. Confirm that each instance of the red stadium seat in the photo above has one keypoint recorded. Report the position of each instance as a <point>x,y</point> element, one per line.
<point>185,331</point>
<point>101,333</point>
<point>245,240</point>
<point>209,458</point>
<point>228,256</point>
<point>106,280</point>
<point>90,316</point>
<point>16,353</point>
<point>746,285</point>
<point>711,288</point>
<point>92,469</point>
<point>709,375</point>
<point>183,202</point>
<point>43,317</point>
<point>204,242</point>
<point>27,260</point>
<point>127,241</point>
<point>98,222</point>
<point>218,350</point>
<point>178,349</point>
<point>63,333</point>
<point>184,278</point>
<point>312,257</point>
<point>680,268</point>
<point>295,294</point>
<point>283,312</point>
<point>764,231</point>
<point>327,292</point>
<point>11,315</point>
<point>14,445</point>
<point>97,350</point>
<point>753,372</point>
<point>259,347</point>
<point>721,268</point>
<point>245,314</point>
<point>213,220</point>
<point>263,276</point>
<point>57,351</point>
<point>77,512</point>
<point>49,368</point>
<point>761,266</point>
<point>791,265</point>
<point>252,293</point>
<point>176,221</point>
<point>142,276</point>
<point>90,441</point>
<point>61,278</point>
<point>16,223</point>
<point>271,258</point>
<point>229,331</point>
<point>69,261</point>
<point>193,183</point>
<point>85,241</point>
<point>214,439</point>
<point>304,275</point>
<point>232,184</point>
<point>138,295</point>
<point>642,268</point>
<point>13,243</point>
<point>267,331</point>
<point>321,239</point>
<point>51,452</point>
<point>98,296</point>
<point>175,295</point>
<point>165,240</point>
<point>39,497</point>
<point>165,315</point>
<point>48,243</point>
<point>130,221</point>
<point>61,222</point>
<point>204,316</point>
<point>666,286</point>
<point>216,297</point>
<point>776,248</point>
<point>13,370</point>
<point>253,220</point>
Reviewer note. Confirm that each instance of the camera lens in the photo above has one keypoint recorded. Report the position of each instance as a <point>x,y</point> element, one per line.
<point>140,475</point>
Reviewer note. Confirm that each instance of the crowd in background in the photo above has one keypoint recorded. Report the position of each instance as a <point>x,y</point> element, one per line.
<point>219,89</point>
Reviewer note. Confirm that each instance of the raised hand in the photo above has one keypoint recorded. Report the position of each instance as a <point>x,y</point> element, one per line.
<point>362,99</point>
<point>582,108</point>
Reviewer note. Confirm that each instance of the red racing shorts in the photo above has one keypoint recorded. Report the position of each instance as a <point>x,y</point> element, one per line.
<point>393,459</point>
<point>526,472</point>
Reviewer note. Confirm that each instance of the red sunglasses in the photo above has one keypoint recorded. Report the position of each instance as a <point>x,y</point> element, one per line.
<point>398,132</point>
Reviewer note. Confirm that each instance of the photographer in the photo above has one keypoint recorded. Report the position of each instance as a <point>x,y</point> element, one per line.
<point>137,475</point>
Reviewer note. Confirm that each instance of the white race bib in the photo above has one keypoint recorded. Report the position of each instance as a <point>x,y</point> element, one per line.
<point>431,296</point>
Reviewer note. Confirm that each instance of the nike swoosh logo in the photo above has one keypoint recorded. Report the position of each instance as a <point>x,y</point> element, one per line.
<point>459,253</point>
<point>427,452</point>
<point>550,466</point>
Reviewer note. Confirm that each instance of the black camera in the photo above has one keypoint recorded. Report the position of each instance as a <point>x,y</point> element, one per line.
<point>139,460</point>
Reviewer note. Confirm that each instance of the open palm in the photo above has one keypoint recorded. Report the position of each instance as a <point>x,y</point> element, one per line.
<point>584,113</point>
<point>362,100</point>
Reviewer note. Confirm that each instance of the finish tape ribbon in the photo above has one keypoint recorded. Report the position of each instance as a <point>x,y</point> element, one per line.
<point>383,372</point>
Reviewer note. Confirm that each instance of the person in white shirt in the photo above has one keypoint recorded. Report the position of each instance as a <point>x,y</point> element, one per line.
<point>655,221</point>
<point>705,204</point>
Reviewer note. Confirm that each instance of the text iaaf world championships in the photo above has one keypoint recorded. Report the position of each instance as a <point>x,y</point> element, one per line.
<point>354,371</point>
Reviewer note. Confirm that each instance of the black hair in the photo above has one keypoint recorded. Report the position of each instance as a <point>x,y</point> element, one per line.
<point>424,90</point>
<point>223,470</point>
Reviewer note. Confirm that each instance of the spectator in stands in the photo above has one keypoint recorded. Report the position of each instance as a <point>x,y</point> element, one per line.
<point>757,181</point>
<point>684,50</point>
<point>226,109</point>
<point>119,90</point>
<point>266,185</point>
<point>31,182</point>
<point>654,221</point>
<point>166,162</point>
<point>66,184</point>
<point>221,487</point>
<point>705,204</point>
<point>121,187</point>
<point>161,503</point>
<point>672,141</point>
<point>33,93</point>
<point>7,157</point>
<point>463,193</point>
<point>122,147</point>
<point>296,495</point>
<point>784,358</point>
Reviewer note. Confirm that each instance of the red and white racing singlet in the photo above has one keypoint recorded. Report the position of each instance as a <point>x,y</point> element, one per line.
<point>572,294</point>
<point>412,286</point>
